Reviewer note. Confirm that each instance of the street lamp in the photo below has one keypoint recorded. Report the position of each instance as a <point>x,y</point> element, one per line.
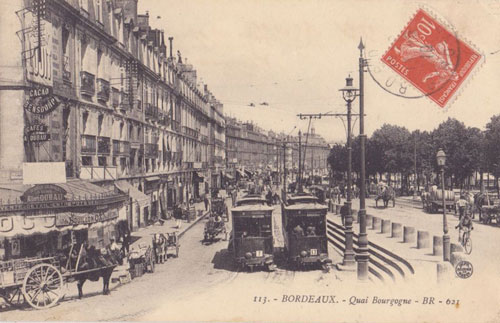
<point>441,161</point>
<point>349,93</point>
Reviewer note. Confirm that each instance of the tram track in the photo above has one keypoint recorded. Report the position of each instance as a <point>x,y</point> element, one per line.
<point>383,264</point>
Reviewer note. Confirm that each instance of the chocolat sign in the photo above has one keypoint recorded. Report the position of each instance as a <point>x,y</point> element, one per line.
<point>65,219</point>
<point>44,193</point>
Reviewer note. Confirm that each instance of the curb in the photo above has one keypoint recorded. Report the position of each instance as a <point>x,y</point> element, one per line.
<point>192,224</point>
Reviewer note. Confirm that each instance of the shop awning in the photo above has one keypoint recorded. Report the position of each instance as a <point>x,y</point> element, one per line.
<point>141,198</point>
<point>152,178</point>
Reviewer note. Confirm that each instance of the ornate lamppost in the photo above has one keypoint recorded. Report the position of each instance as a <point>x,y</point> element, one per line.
<point>349,93</point>
<point>441,161</point>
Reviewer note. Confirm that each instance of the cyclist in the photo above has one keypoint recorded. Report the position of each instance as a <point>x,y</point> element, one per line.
<point>465,224</point>
<point>462,206</point>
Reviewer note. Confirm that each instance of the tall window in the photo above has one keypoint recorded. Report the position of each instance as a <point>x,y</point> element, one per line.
<point>98,10</point>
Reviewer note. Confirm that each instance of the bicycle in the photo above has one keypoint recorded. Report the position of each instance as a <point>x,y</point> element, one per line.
<point>466,241</point>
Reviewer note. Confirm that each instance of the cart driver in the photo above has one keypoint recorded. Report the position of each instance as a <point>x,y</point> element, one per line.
<point>462,206</point>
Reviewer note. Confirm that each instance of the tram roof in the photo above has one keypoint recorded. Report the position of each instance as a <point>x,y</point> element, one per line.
<point>252,208</point>
<point>306,206</point>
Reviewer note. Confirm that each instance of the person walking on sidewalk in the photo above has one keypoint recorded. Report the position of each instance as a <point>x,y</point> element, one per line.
<point>178,216</point>
<point>205,199</point>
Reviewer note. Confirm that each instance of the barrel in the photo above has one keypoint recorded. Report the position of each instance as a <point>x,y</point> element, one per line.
<point>438,195</point>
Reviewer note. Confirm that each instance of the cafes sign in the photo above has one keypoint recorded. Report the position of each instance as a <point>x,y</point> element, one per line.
<point>36,132</point>
<point>44,193</point>
<point>65,219</point>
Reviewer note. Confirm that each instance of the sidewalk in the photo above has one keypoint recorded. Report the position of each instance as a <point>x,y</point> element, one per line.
<point>145,235</point>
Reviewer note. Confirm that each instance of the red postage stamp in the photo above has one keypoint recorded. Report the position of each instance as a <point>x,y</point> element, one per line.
<point>432,58</point>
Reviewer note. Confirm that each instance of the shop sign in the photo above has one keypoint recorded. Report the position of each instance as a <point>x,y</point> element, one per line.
<point>39,92</point>
<point>42,105</point>
<point>36,132</point>
<point>44,193</point>
<point>66,219</point>
<point>39,49</point>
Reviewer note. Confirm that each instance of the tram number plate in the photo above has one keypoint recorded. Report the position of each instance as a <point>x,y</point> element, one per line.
<point>314,252</point>
<point>259,253</point>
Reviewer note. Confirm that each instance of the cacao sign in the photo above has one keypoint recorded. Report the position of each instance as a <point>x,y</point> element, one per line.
<point>39,92</point>
<point>65,219</point>
<point>44,193</point>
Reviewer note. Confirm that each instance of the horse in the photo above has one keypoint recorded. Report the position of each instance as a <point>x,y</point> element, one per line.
<point>481,199</point>
<point>94,265</point>
<point>386,193</point>
<point>159,242</point>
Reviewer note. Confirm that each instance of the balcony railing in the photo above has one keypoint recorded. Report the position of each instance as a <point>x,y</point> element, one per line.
<point>176,126</point>
<point>151,112</point>
<point>88,144</point>
<point>121,148</point>
<point>115,97</point>
<point>151,151</point>
<point>103,90</point>
<point>87,87</point>
<point>103,145</point>
<point>125,101</point>
<point>191,132</point>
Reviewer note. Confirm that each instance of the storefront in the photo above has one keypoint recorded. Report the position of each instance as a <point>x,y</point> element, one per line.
<point>44,220</point>
<point>137,205</point>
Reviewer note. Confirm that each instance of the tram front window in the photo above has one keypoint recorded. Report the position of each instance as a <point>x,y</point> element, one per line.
<point>306,226</point>
<point>250,227</point>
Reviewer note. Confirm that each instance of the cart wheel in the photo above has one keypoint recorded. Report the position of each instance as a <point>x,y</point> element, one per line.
<point>15,297</point>
<point>42,286</point>
<point>498,219</point>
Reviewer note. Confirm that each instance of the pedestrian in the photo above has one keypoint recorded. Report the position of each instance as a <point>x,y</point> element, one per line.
<point>178,216</point>
<point>344,211</point>
<point>462,205</point>
<point>205,200</point>
<point>126,243</point>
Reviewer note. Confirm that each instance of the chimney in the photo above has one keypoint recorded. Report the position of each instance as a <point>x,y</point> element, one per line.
<point>170,39</point>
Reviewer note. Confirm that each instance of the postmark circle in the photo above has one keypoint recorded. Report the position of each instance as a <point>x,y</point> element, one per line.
<point>464,269</point>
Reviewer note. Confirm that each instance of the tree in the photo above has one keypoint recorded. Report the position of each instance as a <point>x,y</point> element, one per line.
<point>338,160</point>
<point>492,147</point>
<point>397,155</point>
<point>462,146</point>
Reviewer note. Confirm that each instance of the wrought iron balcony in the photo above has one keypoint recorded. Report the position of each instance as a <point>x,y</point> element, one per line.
<point>103,90</point>
<point>103,145</point>
<point>115,97</point>
<point>87,86</point>
<point>125,101</point>
<point>151,151</point>
<point>88,144</point>
<point>121,148</point>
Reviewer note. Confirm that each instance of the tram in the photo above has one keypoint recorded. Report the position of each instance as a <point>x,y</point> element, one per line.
<point>251,241</point>
<point>304,232</point>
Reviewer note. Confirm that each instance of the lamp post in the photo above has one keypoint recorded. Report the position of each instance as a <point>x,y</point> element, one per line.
<point>363,255</point>
<point>441,161</point>
<point>349,95</point>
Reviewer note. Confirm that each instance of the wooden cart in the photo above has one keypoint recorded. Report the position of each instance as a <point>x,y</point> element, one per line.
<point>39,281</point>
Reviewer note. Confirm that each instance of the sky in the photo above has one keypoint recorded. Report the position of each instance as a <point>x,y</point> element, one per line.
<point>296,54</point>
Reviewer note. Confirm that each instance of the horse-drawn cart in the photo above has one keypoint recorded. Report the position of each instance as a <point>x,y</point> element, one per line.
<point>432,201</point>
<point>490,212</point>
<point>213,229</point>
<point>173,245</point>
<point>39,281</point>
<point>219,208</point>
<point>141,260</point>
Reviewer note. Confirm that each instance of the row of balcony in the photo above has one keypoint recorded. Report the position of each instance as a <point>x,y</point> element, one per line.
<point>190,132</point>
